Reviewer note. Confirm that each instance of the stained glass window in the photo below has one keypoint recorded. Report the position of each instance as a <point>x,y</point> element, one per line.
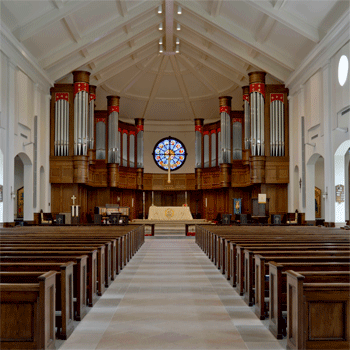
<point>172,148</point>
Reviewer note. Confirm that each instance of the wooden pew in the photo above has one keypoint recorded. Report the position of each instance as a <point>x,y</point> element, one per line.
<point>278,288</point>
<point>318,313</point>
<point>28,314</point>
<point>101,261</point>
<point>91,264</point>
<point>247,271</point>
<point>64,290</point>
<point>262,269</point>
<point>79,282</point>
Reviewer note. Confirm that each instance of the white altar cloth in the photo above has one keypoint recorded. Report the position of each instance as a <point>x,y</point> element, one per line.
<point>169,213</point>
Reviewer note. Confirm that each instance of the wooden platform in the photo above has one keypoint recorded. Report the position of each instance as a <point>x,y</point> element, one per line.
<point>187,223</point>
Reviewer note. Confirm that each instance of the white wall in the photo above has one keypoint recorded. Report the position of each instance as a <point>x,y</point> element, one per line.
<point>155,132</point>
<point>24,93</point>
<point>316,95</point>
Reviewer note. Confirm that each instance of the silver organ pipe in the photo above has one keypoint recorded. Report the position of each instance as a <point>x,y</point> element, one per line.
<point>277,125</point>
<point>67,130</point>
<point>139,139</point>
<point>262,124</point>
<point>247,131</point>
<point>91,129</point>
<point>225,123</point>
<point>81,100</point>
<point>253,131</point>
<point>198,145</point>
<point>257,112</point>
<point>112,137</point>
<point>61,124</point>
<point>62,127</point>
<point>56,128</point>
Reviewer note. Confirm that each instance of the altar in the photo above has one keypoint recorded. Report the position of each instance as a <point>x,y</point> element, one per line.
<point>172,216</point>
<point>169,213</point>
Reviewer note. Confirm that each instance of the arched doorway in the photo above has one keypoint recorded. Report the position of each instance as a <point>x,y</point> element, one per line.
<point>314,178</point>
<point>341,187</point>
<point>23,188</point>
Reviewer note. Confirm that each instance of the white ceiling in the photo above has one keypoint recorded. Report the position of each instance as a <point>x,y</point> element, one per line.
<point>220,43</point>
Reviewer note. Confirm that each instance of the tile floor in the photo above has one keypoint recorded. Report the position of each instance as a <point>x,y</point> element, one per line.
<point>171,296</point>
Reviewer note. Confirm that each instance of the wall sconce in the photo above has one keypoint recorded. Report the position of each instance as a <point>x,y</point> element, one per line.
<point>12,194</point>
<point>325,194</point>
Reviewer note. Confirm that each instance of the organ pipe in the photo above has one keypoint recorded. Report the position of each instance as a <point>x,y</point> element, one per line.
<point>91,120</point>
<point>113,115</point>
<point>246,107</point>
<point>225,116</point>
<point>61,124</point>
<point>277,125</point>
<point>198,142</point>
<point>139,151</point>
<point>81,108</point>
<point>257,114</point>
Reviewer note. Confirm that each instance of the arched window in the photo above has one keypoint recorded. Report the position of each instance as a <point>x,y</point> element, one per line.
<point>172,148</point>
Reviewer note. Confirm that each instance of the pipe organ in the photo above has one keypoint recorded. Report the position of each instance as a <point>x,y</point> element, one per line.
<point>91,124</point>
<point>277,125</point>
<point>225,110</point>
<point>95,154</point>
<point>81,110</point>
<point>257,112</point>
<point>139,139</point>
<point>61,124</point>
<point>113,135</point>
<point>198,142</point>
<point>246,108</point>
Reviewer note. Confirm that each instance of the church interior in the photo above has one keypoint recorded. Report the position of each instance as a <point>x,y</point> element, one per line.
<point>121,119</point>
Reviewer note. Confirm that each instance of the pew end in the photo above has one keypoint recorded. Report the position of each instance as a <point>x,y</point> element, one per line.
<point>28,314</point>
<point>318,314</point>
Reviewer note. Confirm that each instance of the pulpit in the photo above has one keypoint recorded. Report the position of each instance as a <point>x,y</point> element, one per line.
<point>260,211</point>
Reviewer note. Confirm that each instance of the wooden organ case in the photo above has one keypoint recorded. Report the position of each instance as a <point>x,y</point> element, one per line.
<point>99,159</point>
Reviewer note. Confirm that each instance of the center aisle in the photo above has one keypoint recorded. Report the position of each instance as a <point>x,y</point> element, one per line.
<point>171,296</point>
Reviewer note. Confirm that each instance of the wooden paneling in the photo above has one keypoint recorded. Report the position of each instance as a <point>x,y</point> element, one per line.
<point>159,182</point>
<point>278,195</point>
<point>61,169</point>
<point>277,170</point>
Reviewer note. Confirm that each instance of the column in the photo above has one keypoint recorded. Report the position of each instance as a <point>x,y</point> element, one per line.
<point>329,181</point>
<point>225,116</point>
<point>81,111</point>
<point>257,115</point>
<point>198,142</point>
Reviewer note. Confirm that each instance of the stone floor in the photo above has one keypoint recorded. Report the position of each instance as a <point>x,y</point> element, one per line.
<point>171,296</point>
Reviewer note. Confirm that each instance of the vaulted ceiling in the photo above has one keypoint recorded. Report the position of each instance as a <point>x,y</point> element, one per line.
<point>220,43</point>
